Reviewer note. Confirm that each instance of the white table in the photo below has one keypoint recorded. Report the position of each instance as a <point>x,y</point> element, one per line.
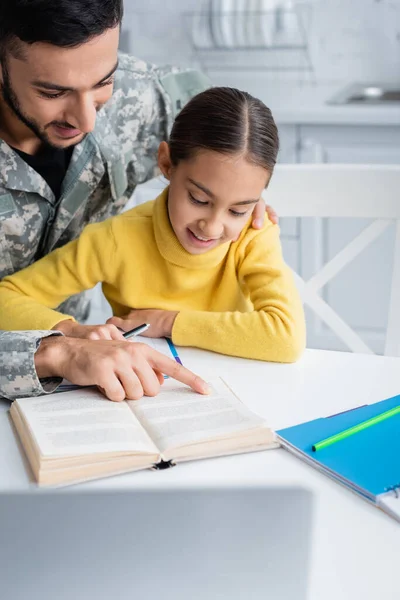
<point>356,547</point>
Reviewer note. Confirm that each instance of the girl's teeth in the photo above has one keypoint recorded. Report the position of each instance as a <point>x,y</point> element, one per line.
<point>200,238</point>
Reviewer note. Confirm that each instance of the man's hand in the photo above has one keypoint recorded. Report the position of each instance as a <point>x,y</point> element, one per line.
<point>161,321</point>
<point>121,369</point>
<point>89,332</point>
<point>259,212</point>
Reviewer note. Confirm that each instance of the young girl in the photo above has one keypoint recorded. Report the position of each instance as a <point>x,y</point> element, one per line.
<point>189,262</point>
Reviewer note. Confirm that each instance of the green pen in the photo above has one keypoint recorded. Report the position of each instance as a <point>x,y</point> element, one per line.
<point>355,429</point>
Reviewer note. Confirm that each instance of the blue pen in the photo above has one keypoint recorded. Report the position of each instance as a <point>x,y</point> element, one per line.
<point>173,351</point>
<point>136,331</point>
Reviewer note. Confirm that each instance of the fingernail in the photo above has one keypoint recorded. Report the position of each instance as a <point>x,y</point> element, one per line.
<point>257,223</point>
<point>205,388</point>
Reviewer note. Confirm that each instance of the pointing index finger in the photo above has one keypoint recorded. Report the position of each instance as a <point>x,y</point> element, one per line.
<point>177,371</point>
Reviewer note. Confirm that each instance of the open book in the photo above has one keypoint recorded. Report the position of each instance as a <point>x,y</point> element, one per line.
<point>80,435</point>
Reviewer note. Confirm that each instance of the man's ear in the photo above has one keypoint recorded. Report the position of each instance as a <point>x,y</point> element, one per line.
<point>164,160</point>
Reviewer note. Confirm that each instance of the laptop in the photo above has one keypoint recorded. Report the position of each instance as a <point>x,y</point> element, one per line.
<point>206,544</point>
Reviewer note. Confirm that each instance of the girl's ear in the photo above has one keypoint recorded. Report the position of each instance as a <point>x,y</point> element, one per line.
<point>164,160</point>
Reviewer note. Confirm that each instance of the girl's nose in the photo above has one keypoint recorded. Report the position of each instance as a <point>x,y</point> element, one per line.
<point>211,228</point>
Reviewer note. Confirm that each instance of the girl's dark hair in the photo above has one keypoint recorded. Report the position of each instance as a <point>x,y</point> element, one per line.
<point>225,120</point>
<point>65,23</point>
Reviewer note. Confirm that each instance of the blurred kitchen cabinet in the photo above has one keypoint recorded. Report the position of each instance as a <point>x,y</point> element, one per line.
<point>360,293</point>
<point>349,144</point>
<point>289,140</point>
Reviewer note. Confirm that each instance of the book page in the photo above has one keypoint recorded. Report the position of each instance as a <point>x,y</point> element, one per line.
<point>83,422</point>
<point>179,416</point>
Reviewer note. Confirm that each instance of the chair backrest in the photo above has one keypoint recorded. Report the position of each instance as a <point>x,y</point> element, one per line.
<point>357,191</point>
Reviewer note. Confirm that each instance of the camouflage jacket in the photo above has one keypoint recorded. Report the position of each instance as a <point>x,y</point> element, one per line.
<point>103,173</point>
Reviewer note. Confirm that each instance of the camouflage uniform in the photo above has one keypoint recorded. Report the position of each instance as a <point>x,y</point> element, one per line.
<point>103,173</point>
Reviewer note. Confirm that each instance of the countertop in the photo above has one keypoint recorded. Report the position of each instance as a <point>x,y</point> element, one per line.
<point>305,103</point>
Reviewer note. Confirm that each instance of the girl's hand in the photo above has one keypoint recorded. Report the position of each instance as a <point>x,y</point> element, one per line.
<point>161,321</point>
<point>89,332</point>
<point>258,214</point>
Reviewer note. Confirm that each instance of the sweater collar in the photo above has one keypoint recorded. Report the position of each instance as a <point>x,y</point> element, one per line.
<point>169,246</point>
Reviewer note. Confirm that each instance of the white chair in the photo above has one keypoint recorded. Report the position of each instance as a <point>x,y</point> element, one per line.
<point>357,191</point>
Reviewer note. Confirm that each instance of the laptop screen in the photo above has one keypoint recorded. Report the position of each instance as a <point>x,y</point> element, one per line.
<point>165,544</point>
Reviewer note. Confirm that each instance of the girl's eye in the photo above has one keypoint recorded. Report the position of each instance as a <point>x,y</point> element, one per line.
<point>235,213</point>
<point>49,95</point>
<point>195,201</point>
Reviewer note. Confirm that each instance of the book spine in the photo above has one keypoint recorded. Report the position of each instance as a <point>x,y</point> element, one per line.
<point>163,464</point>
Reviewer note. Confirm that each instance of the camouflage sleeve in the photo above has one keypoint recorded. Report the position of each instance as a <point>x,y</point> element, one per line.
<point>18,377</point>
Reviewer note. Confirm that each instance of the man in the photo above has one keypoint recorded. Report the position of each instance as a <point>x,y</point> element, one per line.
<point>79,129</point>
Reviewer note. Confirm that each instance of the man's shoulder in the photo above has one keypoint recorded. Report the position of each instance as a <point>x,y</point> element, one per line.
<point>133,68</point>
<point>138,101</point>
<point>145,100</point>
<point>134,75</point>
<point>135,78</point>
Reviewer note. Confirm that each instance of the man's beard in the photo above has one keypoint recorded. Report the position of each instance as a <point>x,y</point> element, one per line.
<point>12,102</point>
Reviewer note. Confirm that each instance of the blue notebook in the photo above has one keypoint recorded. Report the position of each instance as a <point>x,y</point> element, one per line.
<point>368,462</point>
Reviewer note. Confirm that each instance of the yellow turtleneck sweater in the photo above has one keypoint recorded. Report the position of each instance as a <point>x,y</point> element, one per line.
<point>238,299</point>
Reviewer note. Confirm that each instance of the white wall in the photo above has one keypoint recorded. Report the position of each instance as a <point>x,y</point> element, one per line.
<point>356,39</point>
<point>349,39</point>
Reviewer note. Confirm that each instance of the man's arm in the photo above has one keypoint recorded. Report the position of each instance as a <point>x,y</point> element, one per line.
<point>18,375</point>
<point>119,368</point>
<point>35,362</point>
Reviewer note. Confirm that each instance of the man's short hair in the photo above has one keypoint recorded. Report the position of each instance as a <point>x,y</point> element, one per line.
<point>64,23</point>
